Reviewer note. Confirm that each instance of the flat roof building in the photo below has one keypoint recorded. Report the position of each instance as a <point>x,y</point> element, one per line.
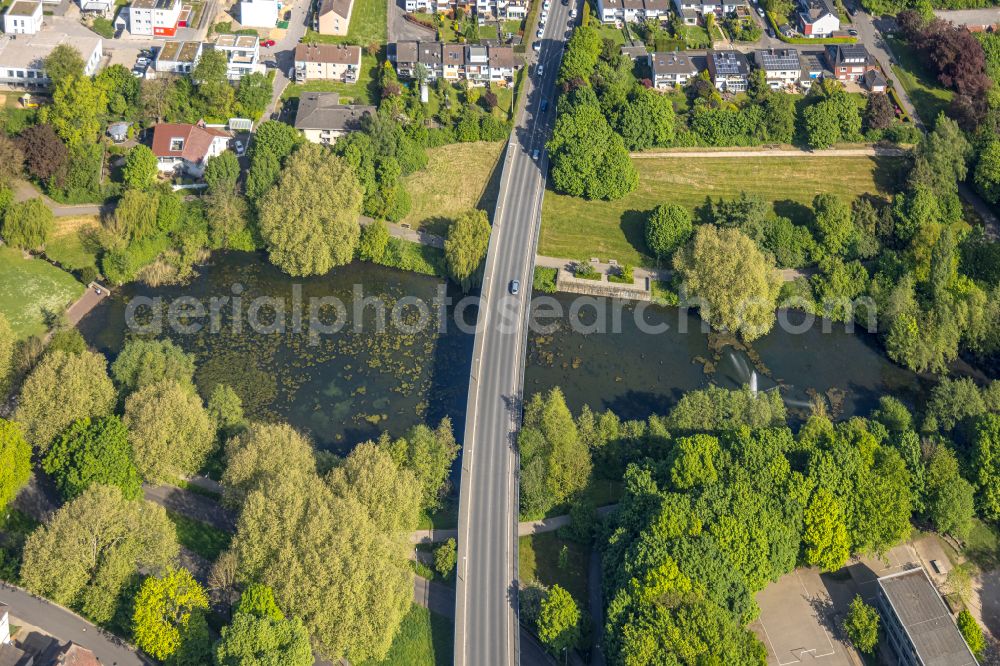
<point>918,625</point>
<point>22,61</point>
<point>23,17</point>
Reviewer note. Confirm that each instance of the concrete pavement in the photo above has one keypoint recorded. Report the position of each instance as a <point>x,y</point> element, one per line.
<point>486,624</point>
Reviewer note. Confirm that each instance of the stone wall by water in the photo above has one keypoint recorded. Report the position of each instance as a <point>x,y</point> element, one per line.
<point>637,291</point>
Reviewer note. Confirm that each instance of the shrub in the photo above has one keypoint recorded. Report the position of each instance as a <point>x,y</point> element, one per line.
<point>545,280</point>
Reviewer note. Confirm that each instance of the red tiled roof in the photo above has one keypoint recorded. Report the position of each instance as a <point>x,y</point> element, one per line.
<point>197,140</point>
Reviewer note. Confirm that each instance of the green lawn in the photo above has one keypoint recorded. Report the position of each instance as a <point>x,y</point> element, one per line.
<point>424,639</point>
<point>928,96</point>
<point>369,21</point>
<point>539,559</point>
<point>608,31</point>
<point>199,537</point>
<point>33,291</point>
<point>438,195</point>
<point>362,92</point>
<point>73,244</point>
<point>578,229</point>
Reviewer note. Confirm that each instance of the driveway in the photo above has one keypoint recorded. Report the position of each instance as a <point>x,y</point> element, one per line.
<point>402,30</point>
<point>283,53</point>
<point>870,36</point>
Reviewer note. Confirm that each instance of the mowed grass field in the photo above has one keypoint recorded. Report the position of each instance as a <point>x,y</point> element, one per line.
<point>575,228</point>
<point>31,290</point>
<point>457,177</point>
<point>424,638</point>
<point>72,243</point>
<point>369,25</point>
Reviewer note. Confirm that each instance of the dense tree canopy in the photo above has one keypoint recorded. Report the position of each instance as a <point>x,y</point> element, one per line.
<point>737,286</point>
<point>555,463</point>
<point>169,429</point>
<point>143,362</point>
<point>90,548</point>
<point>169,612</point>
<point>309,219</point>
<point>588,159</point>
<point>93,451</point>
<point>668,227</point>
<point>61,389</point>
<point>140,167</point>
<point>465,248</point>
<point>15,462</point>
<point>27,224</point>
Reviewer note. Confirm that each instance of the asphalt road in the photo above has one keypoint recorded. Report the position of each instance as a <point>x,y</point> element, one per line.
<point>486,622</point>
<point>68,626</point>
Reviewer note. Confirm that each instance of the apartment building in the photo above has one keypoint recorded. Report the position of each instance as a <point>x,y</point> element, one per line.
<point>329,62</point>
<point>154,17</point>
<point>176,56</point>
<point>333,17</point>
<point>632,11</point>
<point>242,54</point>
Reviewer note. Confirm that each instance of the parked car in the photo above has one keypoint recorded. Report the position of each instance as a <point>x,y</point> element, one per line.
<point>572,13</point>
<point>534,154</point>
<point>515,287</point>
<point>268,43</point>
<point>240,148</point>
<point>760,11</point>
<point>141,62</point>
<point>852,32</point>
<point>539,70</point>
<point>540,33</point>
<point>545,105</point>
<point>546,5</point>
<point>537,46</point>
<point>543,18</point>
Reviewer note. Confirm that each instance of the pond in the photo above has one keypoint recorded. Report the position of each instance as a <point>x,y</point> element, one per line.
<point>636,373</point>
<point>380,371</point>
<point>346,386</point>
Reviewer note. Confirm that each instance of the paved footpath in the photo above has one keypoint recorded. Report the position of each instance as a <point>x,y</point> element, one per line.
<point>871,151</point>
<point>68,626</point>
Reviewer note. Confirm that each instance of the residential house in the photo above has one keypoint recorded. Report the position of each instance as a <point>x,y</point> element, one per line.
<point>818,18</point>
<point>22,60</point>
<point>781,67</point>
<point>692,11</point>
<point>729,71</point>
<point>502,65</point>
<point>632,11</point>
<point>478,64</point>
<point>23,17</point>
<point>918,624</point>
<point>328,62</point>
<point>811,65</point>
<point>177,56</point>
<point>849,62</point>
<point>874,81</point>
<point>452,61</point>
<point>259,13</point>
<point>635,53</point>
<point>154,17</point>
<point>323,119</point>
<point>242,54</point>
<point>333,17</point>
<point>673,68</point>
<point>187,148</point>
